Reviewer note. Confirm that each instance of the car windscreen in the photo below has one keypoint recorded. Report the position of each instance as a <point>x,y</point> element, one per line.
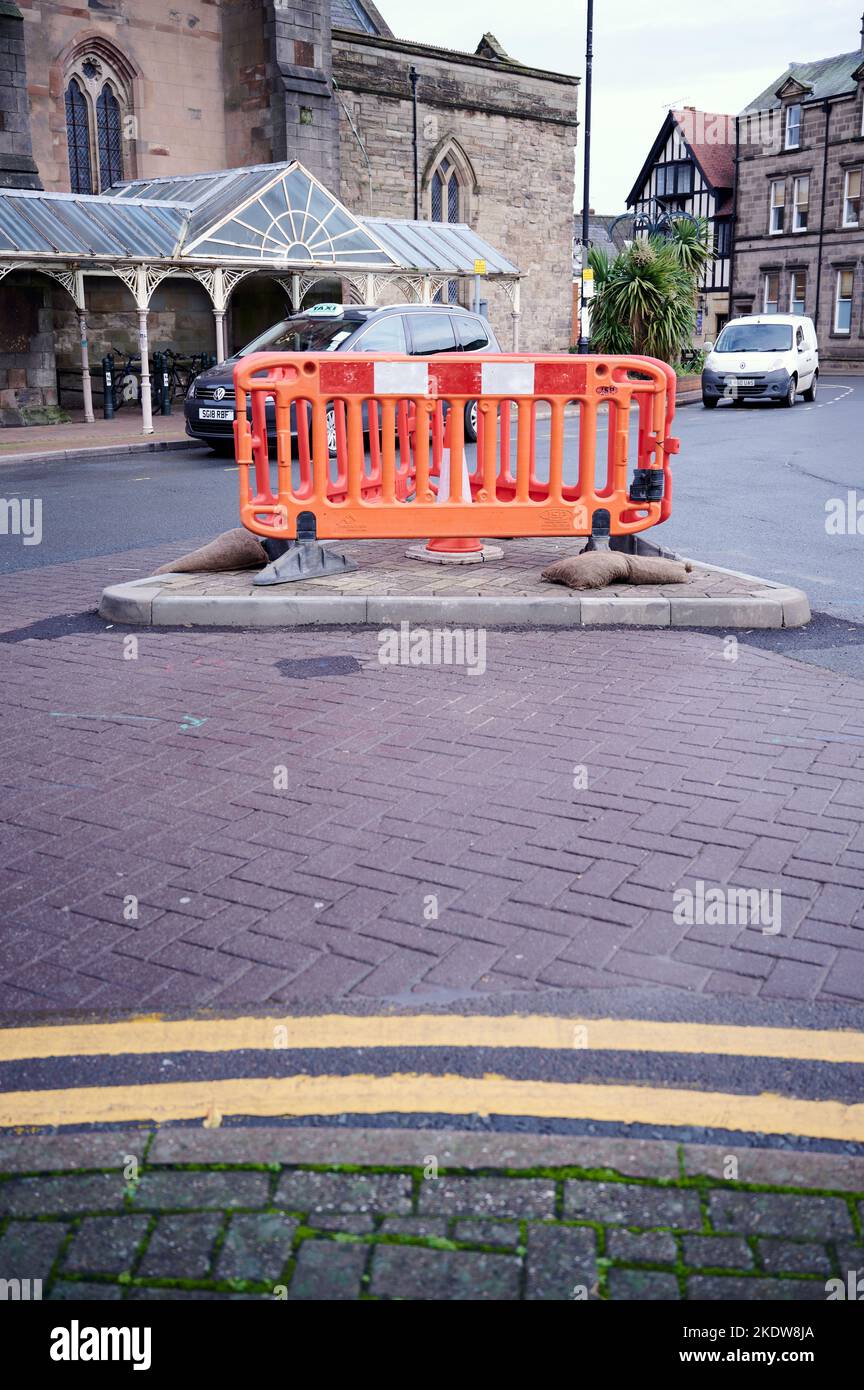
<point>755,337</point>
<point>301,335</point>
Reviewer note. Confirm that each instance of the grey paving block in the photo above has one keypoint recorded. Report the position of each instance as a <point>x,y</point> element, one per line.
<point>779,1213</point>
<point>328,1271</point>
<point>560,1259</point>
<point>344,1192</point>
<point>225,1190</point>
<point>642,1285</point>
<point>646,1247</point>
<point>628,1204</point>
<point>404,1271</point>
<point>181,1247</point>
<point>480,1196</point>
<point>28,1249</point>
<point>257,1247</point>
<point>717,1252</point>
<point>105,1244</point>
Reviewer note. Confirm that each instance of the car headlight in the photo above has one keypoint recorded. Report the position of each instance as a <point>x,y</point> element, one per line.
<point>191,392</point>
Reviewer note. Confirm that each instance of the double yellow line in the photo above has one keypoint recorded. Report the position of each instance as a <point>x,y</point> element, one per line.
<point>409,1093</point>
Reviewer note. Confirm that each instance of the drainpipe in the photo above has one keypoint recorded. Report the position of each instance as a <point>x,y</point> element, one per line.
<point>414,76</point>
<point>827,110</point>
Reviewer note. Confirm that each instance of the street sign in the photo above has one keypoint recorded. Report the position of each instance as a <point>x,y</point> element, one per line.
<point>479,267</point>
<point>587,283</point>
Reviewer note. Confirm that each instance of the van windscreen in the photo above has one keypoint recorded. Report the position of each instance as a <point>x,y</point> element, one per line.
<point>755,337</point>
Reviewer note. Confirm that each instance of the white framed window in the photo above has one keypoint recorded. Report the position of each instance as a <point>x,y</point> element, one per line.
<point>843,301</point>
<point>777,218</point>
<point>771,293</point>
<point>801,203</point>
<point>798,292</point>
<point>852,198</point>
<point>793,127</point>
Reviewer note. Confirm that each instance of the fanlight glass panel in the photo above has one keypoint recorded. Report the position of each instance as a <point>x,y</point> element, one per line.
<point>295,220</point>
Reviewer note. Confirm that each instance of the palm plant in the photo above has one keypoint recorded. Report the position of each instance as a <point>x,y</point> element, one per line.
<point>645,300</point>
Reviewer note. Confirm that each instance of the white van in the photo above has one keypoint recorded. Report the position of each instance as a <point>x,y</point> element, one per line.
<point>763,357</point>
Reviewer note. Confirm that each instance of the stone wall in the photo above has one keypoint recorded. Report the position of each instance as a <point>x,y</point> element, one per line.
<point>516,129</point>
<point>757,253</point>
<point>304,116</point>
<point>28,380</point>
<point>173,56</point>
<point>247,76</point>
<point>17,166</point>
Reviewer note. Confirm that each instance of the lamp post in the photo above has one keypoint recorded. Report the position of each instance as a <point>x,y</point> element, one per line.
<point>413,75</point>
<point>584,341</point>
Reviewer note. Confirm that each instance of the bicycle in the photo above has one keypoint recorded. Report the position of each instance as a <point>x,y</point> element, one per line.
<point>127,379</point>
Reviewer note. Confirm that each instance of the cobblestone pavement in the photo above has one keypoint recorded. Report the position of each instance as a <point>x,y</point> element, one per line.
<point>619,1221</point>
<point>427,836</point>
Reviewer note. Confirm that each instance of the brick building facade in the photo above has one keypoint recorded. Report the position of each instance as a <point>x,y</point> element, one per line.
<point>124,89</point>
<point>799,239</point>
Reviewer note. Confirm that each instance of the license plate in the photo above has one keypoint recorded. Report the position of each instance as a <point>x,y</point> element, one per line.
<point>207,412</point>
<point>746,381</point>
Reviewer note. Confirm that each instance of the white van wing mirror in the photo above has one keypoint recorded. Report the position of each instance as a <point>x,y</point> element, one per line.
<point>707,347</point>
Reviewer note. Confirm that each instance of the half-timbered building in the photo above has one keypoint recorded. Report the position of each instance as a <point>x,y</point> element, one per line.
<point>690,168</point>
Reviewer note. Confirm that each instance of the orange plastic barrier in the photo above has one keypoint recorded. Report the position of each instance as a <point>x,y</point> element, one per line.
<point>535,472</point>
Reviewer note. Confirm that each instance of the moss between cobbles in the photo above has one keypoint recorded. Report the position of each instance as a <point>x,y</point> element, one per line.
<point>307,1230</point>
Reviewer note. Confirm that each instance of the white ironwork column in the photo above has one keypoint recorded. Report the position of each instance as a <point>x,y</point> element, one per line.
<point>142,300</point>
<point>86,383</point>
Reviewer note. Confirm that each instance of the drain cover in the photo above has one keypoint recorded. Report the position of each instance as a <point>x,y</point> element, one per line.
<point>304,667</point>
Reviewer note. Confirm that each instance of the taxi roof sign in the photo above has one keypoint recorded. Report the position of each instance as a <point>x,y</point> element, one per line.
<point>324,311</point>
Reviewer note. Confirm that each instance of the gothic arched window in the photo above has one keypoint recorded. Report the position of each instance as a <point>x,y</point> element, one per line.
<point>444,194</point>
<point>78,138</point>
<point>98,115</point>
<point>109,137</point>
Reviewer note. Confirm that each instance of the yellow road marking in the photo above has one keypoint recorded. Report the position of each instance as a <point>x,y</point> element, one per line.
<point>449,1095</point>
<point>151,1034</point>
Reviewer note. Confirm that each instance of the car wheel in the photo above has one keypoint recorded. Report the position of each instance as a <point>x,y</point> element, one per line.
<point>791,395</point>
<point>330,418</point>
<point>471,422</point>
<point>224,448</point>
<point>709,402</point>
<point>810,393</point>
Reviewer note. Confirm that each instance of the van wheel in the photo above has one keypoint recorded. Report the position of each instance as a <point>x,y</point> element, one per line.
<point>810,393</point>
<point>709,402</point>
<point>791,395</point>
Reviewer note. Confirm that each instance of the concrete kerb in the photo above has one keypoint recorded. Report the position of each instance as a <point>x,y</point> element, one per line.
<point>149,602</point>
<point>99,451</point>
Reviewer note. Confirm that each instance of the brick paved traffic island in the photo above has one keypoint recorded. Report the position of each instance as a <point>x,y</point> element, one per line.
<point>272,1214</point>
<point>388,586</point>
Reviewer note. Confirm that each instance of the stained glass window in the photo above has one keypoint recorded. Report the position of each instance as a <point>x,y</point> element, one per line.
<point>109,138</point>
<point>78,139</point>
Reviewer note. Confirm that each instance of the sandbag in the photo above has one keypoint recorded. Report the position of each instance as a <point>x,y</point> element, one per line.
<point>593,569</point>
<point>656,569</point>
<point>237,549</point>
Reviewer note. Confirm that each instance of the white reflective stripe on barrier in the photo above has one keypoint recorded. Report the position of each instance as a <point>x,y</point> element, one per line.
<point>507,378</point>
<point>401,378</point>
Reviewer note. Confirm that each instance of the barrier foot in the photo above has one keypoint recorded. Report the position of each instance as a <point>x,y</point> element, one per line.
<point>304,558</point>
<point>600,528</point>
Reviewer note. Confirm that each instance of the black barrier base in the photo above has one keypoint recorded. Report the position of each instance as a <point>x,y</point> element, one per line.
<point>600,528</point>
<point>304,558</point>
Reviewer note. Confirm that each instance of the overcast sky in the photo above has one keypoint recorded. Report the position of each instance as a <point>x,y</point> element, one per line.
<point>647,57</point>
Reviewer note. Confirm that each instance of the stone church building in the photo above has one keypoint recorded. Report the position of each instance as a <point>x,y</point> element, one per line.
<point>98,92</point>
